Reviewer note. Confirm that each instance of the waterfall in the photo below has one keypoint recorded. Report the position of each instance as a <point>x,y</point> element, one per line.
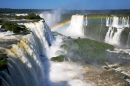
<point>117,23</point>
<point>76,27</point>
<point>28,64</point>
<point>117,36</point>
<point>39,32</point>
<point>109,35</point>
<point>48,34</point>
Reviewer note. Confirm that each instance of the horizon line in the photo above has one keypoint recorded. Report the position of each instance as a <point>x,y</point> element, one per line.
<point>60,9</point>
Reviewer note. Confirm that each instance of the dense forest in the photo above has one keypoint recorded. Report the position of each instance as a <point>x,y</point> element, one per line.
<point>110,12</point>
<point>8,10</point>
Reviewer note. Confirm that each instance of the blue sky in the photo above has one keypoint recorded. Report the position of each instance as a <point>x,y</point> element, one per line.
<point>66,4</point>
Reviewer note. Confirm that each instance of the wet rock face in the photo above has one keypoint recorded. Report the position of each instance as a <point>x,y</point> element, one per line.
<point>102,77</point>
<point>122,69</point>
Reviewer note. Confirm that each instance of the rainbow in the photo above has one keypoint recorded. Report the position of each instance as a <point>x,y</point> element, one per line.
<point>67,22</point>
<point>60,25</point>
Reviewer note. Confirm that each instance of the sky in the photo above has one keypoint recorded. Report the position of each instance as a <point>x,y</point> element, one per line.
<point>66,4</point>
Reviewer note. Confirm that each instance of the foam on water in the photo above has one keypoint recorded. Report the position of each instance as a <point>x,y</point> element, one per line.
<point>5,34</point>
<point>68,72</point>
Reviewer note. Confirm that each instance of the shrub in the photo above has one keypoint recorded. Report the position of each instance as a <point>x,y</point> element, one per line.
<point>58,58</point>
<point>69,37</point>
<point>11,26</point>
<point>1,21</point>
<point>33,16</point>
<point>3,61</point>
<point>124,36</point>
<point>87,50</point>
<point>64,46</point>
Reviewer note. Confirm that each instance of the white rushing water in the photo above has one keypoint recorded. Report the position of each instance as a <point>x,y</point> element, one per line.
<point>29,61</point>
<point>118,24</point>
<point>28,64</point>
<point>21,14</point>
<point>76,27</point>
<point>5,34</point>
<point>65,73</point>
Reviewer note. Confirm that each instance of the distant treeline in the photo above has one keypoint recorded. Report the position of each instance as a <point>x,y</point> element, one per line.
<point>103,12</point>
<point>108,12</point>
<point>8,10</point>
<point>120,12</point>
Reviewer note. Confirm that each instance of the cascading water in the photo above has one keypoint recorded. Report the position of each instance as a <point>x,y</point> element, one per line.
<point>76,27</point>
<point>48,34</point>
<point>28,64</point>
<point>115,23</point>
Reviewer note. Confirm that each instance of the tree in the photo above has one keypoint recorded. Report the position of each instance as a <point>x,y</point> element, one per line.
<point>11,26</point>
<point>33,16</point>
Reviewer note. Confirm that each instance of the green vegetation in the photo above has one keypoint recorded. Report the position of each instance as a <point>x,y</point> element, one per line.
<point>120,12</point>
<point>7,16</point>
<point>33,16</point>
<point>64,46</point>
<point>29,16</point>
<point>124,36</point>
<point>11,26</point>
<point>86,50</point>
<point>58,58</point>
<point>1,20</point>
<point>8,10</point>
<point>3,61</point>
<point>69,37</point>
<point>97,15</point>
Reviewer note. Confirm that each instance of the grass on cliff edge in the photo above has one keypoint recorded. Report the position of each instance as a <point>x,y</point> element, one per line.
<point>59,58</point>
<point>12,26</point>
<point>86,50</point>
